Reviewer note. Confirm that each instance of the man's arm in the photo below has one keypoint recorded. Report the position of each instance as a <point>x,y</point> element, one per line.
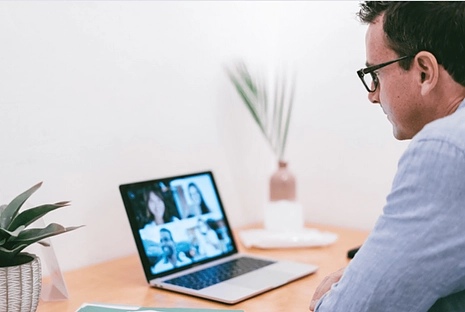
<point>325,285</point>
<point>416,252</point>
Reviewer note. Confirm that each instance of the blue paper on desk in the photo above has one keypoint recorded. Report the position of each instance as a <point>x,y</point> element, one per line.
<point>102,307</point>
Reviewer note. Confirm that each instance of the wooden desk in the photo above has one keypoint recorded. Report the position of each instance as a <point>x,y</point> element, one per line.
<point>122,281</point>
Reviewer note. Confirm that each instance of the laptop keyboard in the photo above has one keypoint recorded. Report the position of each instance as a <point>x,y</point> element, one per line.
<point>218,273</point>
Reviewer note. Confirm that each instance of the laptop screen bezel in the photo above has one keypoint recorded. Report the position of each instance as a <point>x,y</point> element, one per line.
<point>130,211</point>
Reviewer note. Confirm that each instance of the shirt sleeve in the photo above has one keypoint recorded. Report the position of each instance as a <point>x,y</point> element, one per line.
<point>416,251</point>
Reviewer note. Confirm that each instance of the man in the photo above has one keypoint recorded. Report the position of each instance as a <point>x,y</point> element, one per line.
<point>171,258</point>
<point>414,259</point>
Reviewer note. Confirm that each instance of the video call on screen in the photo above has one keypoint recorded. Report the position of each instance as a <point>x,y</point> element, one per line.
<point>180,221</point>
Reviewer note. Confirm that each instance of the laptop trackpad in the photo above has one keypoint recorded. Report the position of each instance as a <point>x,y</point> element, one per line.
<point>261,279</point>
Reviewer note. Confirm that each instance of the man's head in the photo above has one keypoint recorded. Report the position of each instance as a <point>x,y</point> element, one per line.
<point>167,243</point>
<point>428,83</point>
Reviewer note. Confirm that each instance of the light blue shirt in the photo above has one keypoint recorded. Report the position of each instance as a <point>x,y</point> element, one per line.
<point>414,259</point>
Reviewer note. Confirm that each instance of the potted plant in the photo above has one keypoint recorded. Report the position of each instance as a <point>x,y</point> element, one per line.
<point>272,113</point>
<point>20,272</point>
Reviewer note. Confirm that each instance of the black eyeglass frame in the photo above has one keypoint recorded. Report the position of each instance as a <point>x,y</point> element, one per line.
<point>370,70</point>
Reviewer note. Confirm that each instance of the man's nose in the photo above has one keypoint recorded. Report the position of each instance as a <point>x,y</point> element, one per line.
<point>373,97</point>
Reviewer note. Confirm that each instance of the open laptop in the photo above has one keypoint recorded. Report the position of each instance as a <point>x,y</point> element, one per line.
<point>186,245</point>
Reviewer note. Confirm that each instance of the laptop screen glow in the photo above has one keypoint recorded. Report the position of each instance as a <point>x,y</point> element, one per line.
<point>177,222</point>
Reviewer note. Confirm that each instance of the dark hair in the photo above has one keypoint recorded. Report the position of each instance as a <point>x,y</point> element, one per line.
<point>167,231</point>
<point>203,206</point>
<point>413,26</point>
<point>214,226</point>
<point>167,197</point>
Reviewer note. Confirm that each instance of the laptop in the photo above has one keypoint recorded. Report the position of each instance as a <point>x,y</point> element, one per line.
<point>186,245</point>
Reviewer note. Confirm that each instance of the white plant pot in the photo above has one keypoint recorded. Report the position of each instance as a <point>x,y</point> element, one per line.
<point>20,286</point>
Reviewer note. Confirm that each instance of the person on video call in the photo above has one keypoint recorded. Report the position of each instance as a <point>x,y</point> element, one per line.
<point>198,206</point>
<point>414,259</point>
<point>161,209</point>
<point>207,240</point>
<point>171,258</point>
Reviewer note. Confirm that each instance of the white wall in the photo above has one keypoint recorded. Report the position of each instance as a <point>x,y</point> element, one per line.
<point>96,94</point>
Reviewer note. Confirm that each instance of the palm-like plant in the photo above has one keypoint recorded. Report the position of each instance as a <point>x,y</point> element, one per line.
<point>272,118</point>
<point>14,236</point>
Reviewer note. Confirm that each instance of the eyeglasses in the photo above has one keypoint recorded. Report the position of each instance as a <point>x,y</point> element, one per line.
<point>370,78</point>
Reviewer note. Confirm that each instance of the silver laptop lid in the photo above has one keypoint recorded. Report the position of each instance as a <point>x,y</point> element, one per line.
<point>177,222</point>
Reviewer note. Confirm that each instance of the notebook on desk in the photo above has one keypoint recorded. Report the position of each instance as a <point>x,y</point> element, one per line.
<point>186,245</point>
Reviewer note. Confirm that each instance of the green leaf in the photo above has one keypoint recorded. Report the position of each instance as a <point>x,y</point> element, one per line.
<point>249,103</point>
<point>2,207</point>
<point>6,255</point>
<point>244,73</point>
<point>29,216</point>
<point>273,119</point>
<point>7,234</point>
<point>13,207</point>
<point>251,106</point>
<point>288,120</point>
<point>251,100</point>
<point>34,235</point>
<point>264,95</point>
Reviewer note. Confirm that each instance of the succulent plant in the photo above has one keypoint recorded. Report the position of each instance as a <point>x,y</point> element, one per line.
<point>14,236</point>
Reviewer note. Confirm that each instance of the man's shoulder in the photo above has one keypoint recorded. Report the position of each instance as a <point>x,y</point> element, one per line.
<point>450,129</point>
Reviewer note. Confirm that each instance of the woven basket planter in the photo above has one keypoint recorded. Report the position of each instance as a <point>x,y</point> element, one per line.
<point>20,286</point>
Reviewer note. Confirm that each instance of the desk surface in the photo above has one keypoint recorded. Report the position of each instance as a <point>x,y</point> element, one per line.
<point>122,281</point>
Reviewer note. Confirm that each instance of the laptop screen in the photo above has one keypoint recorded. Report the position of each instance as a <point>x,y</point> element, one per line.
<point>177,222</point>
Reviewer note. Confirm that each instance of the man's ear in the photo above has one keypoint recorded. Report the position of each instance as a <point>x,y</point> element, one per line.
<point>427,68</point>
